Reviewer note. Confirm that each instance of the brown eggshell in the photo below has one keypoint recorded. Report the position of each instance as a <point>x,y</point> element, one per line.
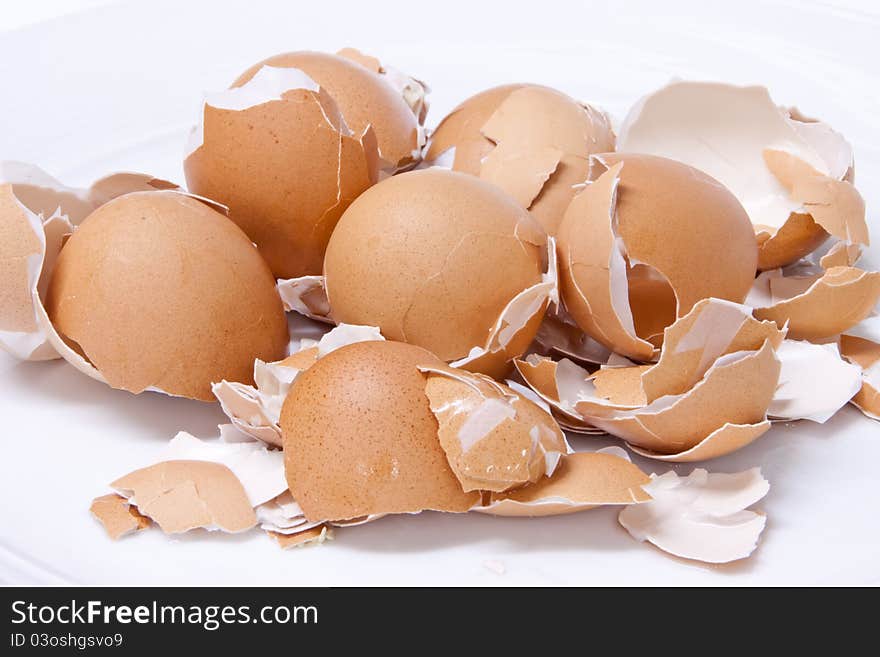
<point>360,438</point>
<point>157,290</point>
<point>363,97</point>
<point>724,440</point>
<point>796,238</point>
<point>494,438</point>
<point>18,243</point>
<point>184,495</point>
<point>582,481</point>
<point>832,303</point>
<point>865,353</point>
<point>532,141</point>
<point>432,257</point>
<point>286,169</point>
<point>117,516</point>
<point>620,209</point>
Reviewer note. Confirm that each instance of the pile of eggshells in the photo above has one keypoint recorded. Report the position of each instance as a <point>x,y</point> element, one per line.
<point>485,291</point>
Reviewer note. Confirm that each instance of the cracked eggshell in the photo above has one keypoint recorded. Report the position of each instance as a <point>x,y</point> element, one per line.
<point>159,291</point>
<point>184,495</point>
<point>582,481</point>
<point>366,97</point>
<point>861,345</point>
<point>280,155</point>
<point>702,516</point>
<point>360,438</point>
<point>433,258</point>
<point>532,141</point>
<point>816,306</point>
<point>495,438</point>
<point>610,230</point>
<point>311,536</point>
<point>792,175</point>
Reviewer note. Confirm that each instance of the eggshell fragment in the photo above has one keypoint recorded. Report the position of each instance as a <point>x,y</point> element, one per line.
<point>279,153</point>
<point>790,174</point>
<point>702,516</point>
<point>442,281</point>
<point>307,296</point>
<point>312,536</point>
<point>255,410</point>
<point>610,229</point>
<point>816,306</point>
<point>184,495</point>
<point>814,382</point>
<point>841,254</point>
<point>532,141</point>
<point>861,346</point>
<point>582,481</point>
<point>560,334</point>
<point>158,291</point>
<point>117,516</point>
<point>494,438</point>
<point>724,440</point>
<point>360,438</point>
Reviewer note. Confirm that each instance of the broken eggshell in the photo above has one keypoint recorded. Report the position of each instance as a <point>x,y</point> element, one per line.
<point>367,94</point>
<point>703,516</point>
<point>620,279</point>
<point>815,306</point>
<point>495,438</point>
<point>444,261</point>
<point>582,481</point>
<point>532,141</point>
<point>278,151</point>
<point>158,291</point>
<point>861,345</point>
<point>793,176</point>
<point>360,438</point>
<point>37,213</point>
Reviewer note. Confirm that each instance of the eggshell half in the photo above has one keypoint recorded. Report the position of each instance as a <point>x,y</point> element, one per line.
<point>280,155</point>
<point>360,438</point>
<point>158,291</point>
<point>433,258</point>
<point>365,97</point>
<point>611,229</point>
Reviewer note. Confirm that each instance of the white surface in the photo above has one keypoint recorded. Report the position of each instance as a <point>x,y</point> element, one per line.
<point>117,88</point>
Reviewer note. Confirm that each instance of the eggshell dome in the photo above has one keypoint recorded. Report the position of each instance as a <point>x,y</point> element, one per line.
<point>158,290</point>
<point>432,257</point>
<point>360,438</point>
<point>363,97</point>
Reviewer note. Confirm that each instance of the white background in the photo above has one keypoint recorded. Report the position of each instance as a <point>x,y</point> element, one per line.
<point>108,86</point>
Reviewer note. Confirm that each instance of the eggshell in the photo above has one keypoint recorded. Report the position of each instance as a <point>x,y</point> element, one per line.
<point>278,152</point>
<point>582,481</point>
<point>307,296</point>
<point>311,536</point>
<point>255,410</point>
<point>724,440</point>
<point>365,97</point>
<point>117,516</point>
<point>861,345</point>
<point>792,174</point>
<point>816,306</point>
<point>611,227</point>
<point>158,291</point>
<point>433,258</point>
<point>841,254</point>
<point>184,495</point>
<point>532,141</point>
<point>495,438</point>
<point>360,438</point>
<point>702,516</point>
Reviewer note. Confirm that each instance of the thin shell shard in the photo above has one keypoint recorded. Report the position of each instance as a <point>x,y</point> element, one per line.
<point>703,516</point>
<point>495,438</point>
<point>117,516</point>
<point>184,495</point>
<point>307,296</point>
<point>861,346</point>
<point>312,536</point>
<point>816,306</point>
<point>583,480</point>
<point>814,382</point>
<point>791,174</point>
